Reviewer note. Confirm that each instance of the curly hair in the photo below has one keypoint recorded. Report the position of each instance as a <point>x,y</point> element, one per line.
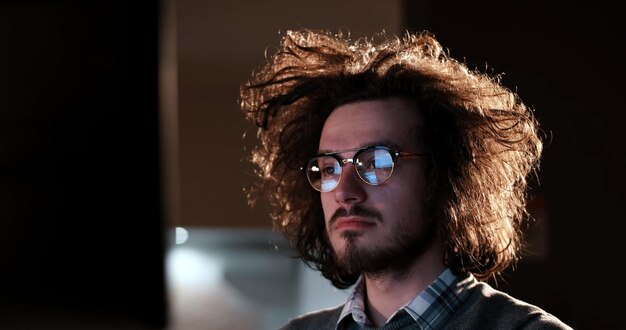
<point>481,139</point>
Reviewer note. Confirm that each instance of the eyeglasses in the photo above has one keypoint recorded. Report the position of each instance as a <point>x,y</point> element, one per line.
<point>373,164</point>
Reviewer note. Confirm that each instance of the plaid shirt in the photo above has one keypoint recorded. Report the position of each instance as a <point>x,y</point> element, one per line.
<point>431,309</point>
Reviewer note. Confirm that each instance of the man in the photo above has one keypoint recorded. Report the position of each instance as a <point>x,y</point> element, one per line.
<point>395,168</point>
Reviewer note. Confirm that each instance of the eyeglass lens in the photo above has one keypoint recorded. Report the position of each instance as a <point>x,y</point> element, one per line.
<point>373,165</point>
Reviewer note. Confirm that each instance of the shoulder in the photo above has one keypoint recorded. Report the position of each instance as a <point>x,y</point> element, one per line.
<point>318,320</point>
<point>488,308</point>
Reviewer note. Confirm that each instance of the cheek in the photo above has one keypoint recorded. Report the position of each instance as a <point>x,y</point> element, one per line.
<point>327,205</point>
<point>407,203</point>
<point>414,189</point>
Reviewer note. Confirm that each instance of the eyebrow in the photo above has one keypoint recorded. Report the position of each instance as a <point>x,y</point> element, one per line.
<point>383,142</point>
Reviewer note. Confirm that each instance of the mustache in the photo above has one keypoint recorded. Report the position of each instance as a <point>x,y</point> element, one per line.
<point>358,211</point>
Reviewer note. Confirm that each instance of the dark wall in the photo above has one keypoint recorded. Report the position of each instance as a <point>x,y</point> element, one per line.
<point>566,61</point>
<point>81,240</point>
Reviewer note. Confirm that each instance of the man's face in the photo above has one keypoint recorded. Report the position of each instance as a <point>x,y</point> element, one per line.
<point>375,229</point>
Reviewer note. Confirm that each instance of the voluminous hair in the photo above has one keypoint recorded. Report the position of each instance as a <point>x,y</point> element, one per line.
<point>482,141</point>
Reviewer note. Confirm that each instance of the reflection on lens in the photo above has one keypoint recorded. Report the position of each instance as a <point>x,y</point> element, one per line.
<point>328,185</point>
<point>370,177</point>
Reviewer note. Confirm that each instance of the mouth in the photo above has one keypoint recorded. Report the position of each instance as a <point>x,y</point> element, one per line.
<point>353,222</point>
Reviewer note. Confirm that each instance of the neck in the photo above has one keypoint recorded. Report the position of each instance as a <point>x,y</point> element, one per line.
<point>386,293</point>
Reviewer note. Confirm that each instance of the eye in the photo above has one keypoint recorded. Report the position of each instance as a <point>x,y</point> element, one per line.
<point>367,161</point>
<point>328,167</point>
<point>328,170</point>
<point>375,159</point>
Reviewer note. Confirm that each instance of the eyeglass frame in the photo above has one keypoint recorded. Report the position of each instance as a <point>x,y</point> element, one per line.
<point>395,154</point>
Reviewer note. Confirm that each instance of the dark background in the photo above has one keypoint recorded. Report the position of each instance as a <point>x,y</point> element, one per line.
<point>81,228</point>
<point>81,240</point>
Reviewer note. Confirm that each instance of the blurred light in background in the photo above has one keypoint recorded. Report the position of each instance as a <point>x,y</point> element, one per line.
<point>239,279</point>
<point>181,235</point>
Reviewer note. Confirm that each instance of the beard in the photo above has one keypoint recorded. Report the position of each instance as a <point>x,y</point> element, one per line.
<point>393,259</point>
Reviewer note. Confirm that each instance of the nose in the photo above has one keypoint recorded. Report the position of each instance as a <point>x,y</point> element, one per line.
<point>350,189</point>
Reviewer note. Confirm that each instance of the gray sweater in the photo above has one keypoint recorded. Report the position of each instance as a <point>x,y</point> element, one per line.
<point>485,308</point>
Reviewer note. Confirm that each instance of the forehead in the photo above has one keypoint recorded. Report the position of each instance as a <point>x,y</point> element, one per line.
<point>393,121</point>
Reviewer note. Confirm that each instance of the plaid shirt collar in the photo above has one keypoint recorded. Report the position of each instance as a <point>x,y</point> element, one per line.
<point>431,309</point>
